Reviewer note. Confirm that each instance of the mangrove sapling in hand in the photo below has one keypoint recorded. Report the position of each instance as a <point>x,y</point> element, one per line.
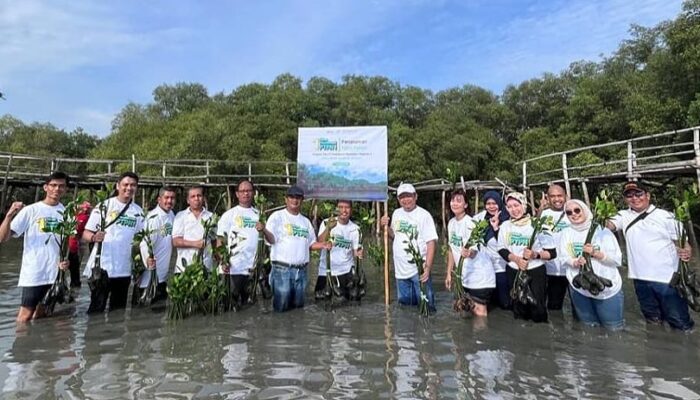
<point>223,253</point>
<point>521,290</point>
<point>332,288</point>
<point>587,279</point>
<point>358,285</point>
<point>416,258</point>
<point>60,232</point>
<point>685,279</point>
<point>139,266</point>
<point>476,239</point>
<point>261,266</point>
<point>99,279</point>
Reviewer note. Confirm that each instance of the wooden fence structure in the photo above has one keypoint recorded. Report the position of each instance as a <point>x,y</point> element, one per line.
<point>666,155</point>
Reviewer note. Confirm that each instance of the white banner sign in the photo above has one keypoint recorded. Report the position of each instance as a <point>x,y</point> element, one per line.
<point>343,163</point>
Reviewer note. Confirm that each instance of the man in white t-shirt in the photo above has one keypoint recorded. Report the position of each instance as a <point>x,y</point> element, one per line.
<point>652,257</point>
<point>291,236</point>
<point>408,219</point>
<point>344,235</point>
<point>238,228</point>
<point>557,284</point>
<point>188,232</point>
<point>41,255</point>
<point>124,220</point>
<point>160,222</point>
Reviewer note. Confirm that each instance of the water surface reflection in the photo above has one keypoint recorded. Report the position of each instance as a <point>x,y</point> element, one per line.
<point>363,352</point>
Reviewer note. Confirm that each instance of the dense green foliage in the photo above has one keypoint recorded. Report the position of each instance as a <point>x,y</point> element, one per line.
<point>649,85</point>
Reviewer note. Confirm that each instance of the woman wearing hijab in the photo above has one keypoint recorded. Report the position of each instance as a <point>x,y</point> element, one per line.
<point>606,307</point>
<point>514,246</point>
<point>496,214</point>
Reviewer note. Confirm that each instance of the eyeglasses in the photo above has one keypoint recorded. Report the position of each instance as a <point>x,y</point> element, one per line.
<point>245,191</point>
<point>574,211</point>
<point>634,193</point>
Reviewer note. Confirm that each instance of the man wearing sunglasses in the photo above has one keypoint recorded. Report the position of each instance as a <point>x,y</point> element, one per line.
<point>652,257</point>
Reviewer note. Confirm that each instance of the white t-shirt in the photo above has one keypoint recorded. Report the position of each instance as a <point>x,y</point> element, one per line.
<point>499,264</point>
<point>39,258</point>
<point>161,225</point>
<point>477,272</point>
<point>293,234</point>
<point>556,267</point>
<point>515,239</point>
<point>651,251</point>
<point>478,217</point>
<point>116,248</point>
<point>238,226</point>
<point>571,247</point>
<point>346,239</point>
<point>189,227</point>
<point>403,223</point>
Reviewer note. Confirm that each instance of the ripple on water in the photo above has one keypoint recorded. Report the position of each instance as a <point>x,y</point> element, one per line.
<point>366,351</point>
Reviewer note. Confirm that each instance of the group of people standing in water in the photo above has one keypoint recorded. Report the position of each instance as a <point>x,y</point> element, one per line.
<point>554,259</point>
<point>489,271</point>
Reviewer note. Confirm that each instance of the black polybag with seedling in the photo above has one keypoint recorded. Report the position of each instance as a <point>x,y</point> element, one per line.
<point>586,278</point>
<point>521,291</point>
<point>685,279</point>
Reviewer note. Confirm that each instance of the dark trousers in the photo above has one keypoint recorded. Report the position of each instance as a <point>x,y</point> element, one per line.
<point>557,286</point>
<point>660,302</point>
<point>239,288</point>
<point>117,291</point>
<point>538,285</point>
<point>343,282</point>
<point>501,296</point>
<point>74,268</point>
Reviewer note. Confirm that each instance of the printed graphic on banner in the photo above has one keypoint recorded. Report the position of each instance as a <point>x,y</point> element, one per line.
<point>343,163</point>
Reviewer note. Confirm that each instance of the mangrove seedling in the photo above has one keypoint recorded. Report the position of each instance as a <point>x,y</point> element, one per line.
<point>586,278</point>
<point>416,258</point>
<point>60,232</point>
<point>521,291</point>
<point>685,279</point>
<point>476,239</point>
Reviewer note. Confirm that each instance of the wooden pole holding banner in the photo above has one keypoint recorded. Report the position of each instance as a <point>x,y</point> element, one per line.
<point>386,256</point>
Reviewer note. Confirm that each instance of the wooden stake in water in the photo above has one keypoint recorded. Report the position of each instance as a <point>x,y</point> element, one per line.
<point>386,256</point>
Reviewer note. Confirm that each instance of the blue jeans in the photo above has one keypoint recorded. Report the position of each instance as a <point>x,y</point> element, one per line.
<point>288,287</point>
<point>660,302</point>
<point>408,291</point>
<point>595,312</point>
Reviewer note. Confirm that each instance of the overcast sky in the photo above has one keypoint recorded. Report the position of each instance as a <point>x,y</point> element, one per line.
<point>77,63</point>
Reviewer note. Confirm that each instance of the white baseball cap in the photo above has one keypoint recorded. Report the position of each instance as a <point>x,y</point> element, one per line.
<point>405,188</point>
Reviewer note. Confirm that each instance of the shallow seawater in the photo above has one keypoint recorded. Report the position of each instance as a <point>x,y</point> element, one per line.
<point>367,352</point>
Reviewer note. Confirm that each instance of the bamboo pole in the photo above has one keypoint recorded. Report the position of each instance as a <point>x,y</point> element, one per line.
<point>378,212</point>
<point>386,255</point>
<point>444,214</point>
<point>586,198</point>
<point>229,200</point>
<point>565,172</point>
<point>3,199</point>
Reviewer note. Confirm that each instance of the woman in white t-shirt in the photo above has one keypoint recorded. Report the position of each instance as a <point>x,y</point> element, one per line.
<point>513,240</point>
<point>478,275</point>
<point>606,307</point>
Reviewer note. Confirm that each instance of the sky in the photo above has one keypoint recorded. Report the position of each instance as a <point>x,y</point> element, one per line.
<point>77,63</point>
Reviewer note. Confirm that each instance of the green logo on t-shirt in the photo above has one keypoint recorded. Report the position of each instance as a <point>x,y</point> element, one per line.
<point>576,248</point>
<point>296,230</point>
<point>455,240</point>
<point>166,229</point>
<point>243,221</point>
<point>406,228</point>
<point>126,221</point>
<point>517,239</point>
<point>341,242</point>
